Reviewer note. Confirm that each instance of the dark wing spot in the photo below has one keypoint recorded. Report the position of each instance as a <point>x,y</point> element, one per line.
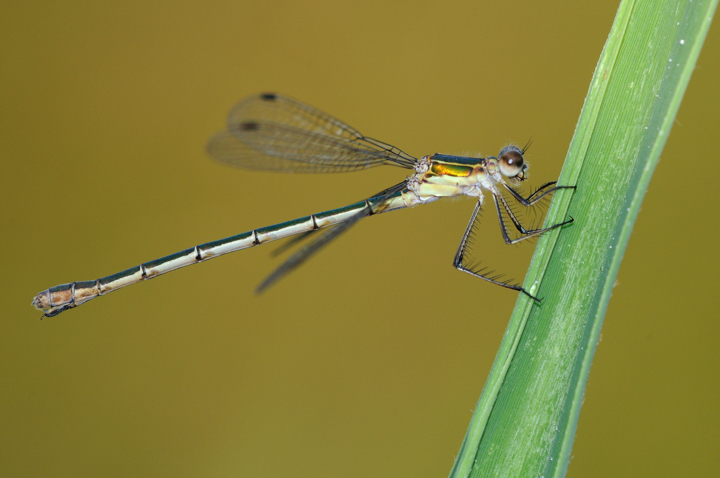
<point>268,96</point>
<point>249,126</point>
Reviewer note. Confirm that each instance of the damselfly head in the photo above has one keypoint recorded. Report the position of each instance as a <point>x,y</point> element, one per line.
<point>512,163</point>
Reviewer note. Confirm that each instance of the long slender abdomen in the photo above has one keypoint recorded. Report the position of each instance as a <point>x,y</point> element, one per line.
<point>66,296</point>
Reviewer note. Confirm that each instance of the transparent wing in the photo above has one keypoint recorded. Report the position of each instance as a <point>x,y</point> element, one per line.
<point>275,133</point>
<point>227,149</point>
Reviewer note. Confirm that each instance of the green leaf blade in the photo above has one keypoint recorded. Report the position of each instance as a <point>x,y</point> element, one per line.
<point>525,421</point>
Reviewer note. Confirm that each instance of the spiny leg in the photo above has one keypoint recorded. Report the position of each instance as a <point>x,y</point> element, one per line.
<point>542,192</point>
<point>525,233</point>
<point>537,195</point>
<point>460,256</point>
<point>500,199</point>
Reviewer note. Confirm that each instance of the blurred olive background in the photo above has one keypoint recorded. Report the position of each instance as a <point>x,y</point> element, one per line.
<point>369,360</point>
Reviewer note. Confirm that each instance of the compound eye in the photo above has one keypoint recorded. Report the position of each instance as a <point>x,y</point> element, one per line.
<point>511,162</point>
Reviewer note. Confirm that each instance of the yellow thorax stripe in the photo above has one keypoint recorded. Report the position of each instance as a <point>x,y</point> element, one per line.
<point>442,168</point>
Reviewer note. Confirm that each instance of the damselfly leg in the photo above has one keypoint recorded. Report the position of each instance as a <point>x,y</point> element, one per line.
<point>499,200</point>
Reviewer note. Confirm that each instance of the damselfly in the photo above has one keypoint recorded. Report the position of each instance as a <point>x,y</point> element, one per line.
<point>275,133</point>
